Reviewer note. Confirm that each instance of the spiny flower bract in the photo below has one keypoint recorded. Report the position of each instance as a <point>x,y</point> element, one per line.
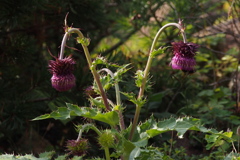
<point>78,148</point>
<point>62,70</point>
<point>184,56</point>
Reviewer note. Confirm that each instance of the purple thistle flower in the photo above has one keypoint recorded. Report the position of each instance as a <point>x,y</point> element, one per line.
<point>62,70</point>
<point>184,56</point>
<point>78,148</point>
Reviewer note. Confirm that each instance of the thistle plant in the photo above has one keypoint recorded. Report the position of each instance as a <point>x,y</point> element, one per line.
<point>128,142</point>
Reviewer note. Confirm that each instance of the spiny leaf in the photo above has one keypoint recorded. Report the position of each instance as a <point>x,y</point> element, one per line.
<point>218,139</point>
<point>71,110</point>
<point>107,82</point>
<point>132,97</point>
<point>62,157</point>
<point>139,75</point>
<point>84,41</point>
<point>101,60</point>
<point>181,125</point>
<point>97,103</point>
<point>120,71</point>
<point>47,154</point>
<point>159,51</point>
<point>149,153</point>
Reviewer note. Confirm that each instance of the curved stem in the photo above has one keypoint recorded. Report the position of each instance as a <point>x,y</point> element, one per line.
<point>150,58</point>
<point>87,126</point>
<point>118,98</point>
<point>88,57</point>
<point>146,71</point>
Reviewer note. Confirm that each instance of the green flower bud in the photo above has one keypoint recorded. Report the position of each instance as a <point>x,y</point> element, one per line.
<point>106,140</point>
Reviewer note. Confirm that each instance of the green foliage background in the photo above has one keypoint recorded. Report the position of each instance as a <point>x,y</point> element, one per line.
<point>122,31</point>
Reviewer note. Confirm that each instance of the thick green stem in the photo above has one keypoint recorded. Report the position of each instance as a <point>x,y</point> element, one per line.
<point>118,98</point>
<point>88,57</point>
<point>135,121</point>
<point>106,149</point>
<point>146,71</point>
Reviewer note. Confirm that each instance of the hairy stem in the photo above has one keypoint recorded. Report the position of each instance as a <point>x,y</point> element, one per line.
<point>118,98</point>
<point>146,71</point>
<point>88,57</point>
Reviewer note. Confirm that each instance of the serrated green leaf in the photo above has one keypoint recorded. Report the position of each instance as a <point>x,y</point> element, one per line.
<point>107,82</point>
<point>110,118</point>
<point>97,103</point>
<point>159,51</point>
<point>181,125</point>
<point>28,157</point>
<point>103,61</point>
<point>132,97</point>
<point>120,71</point>
<point>84,41</point>
<point>62,157</point>
<point>71,110</point>
<point>150,153</point>
<point>62,113</point>
<point>47,154</point>
<point>218,139</point>
<point>7,157</point>
<point>139,75</point>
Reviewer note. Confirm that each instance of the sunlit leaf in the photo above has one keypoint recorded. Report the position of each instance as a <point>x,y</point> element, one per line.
<point>181,125</point>
<point>159,51</point>
<point>139,78</point>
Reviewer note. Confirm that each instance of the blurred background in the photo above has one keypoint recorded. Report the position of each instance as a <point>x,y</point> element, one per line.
<point>122,31</point>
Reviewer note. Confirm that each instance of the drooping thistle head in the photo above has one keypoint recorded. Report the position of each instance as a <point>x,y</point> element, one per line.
<point>184,56</point>
<point>62,73</point>
<point>78,148</point>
